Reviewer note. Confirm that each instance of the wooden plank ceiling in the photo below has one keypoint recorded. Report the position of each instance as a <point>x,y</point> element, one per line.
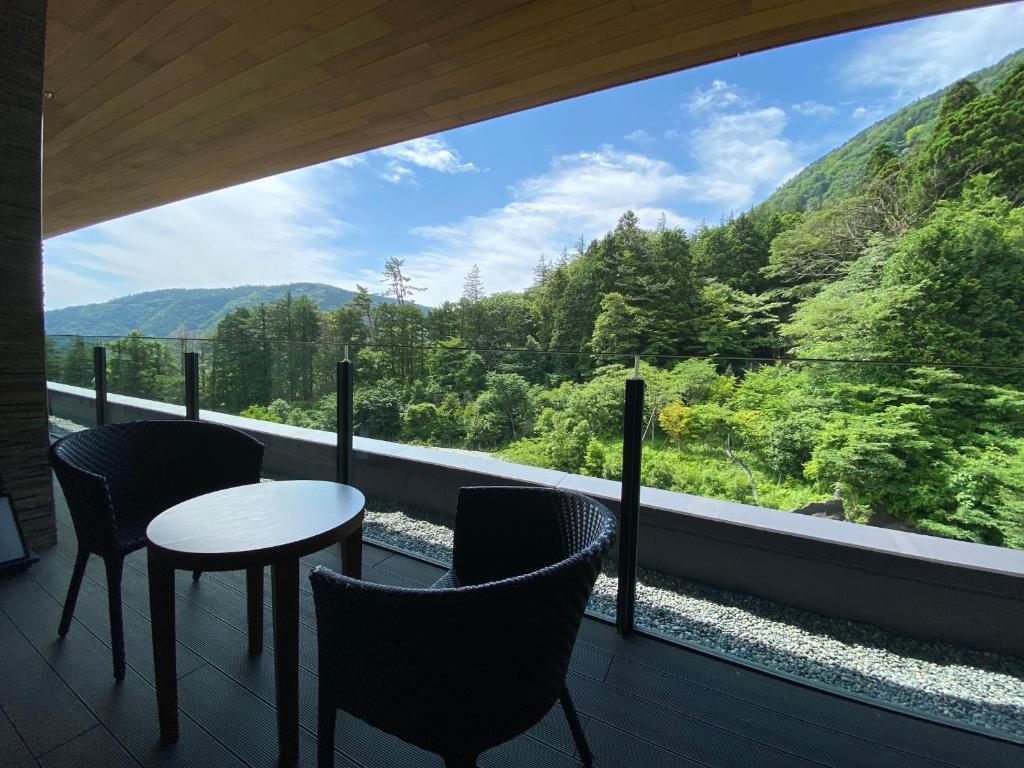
<point>157,100</point>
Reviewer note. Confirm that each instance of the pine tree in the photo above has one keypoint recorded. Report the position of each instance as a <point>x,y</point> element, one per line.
<point>399,284</point>
<point>363,304</point>
<point>541,272</point>
<point>473,286</point>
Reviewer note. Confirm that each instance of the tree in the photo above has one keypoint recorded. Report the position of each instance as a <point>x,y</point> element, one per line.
<point>976,134</point>
<point>988,489</point>
<point>961,277</point>
<point>399,330</point>
<point>145,368</point>
<point>398,283</point>
<point>565,442</point>
<point>881,160</point>
<point>737,323</point>
<point>506,320</point>
<point>674,418</point>
<point>617,329</point>
<point>420,422</point>
<point>504,411</point>
<point>541,272</point>
<point>732,253</point>
<point>377,410</point>
<point>454,368</point>
<point>698,381</point>
<point>881,460</point>
<point>473,285</point>
<point>595,459</point>
<point>77,368</point>
<point>362,305</point>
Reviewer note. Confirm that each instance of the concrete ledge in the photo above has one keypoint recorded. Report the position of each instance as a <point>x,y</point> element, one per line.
<point>916,585</point>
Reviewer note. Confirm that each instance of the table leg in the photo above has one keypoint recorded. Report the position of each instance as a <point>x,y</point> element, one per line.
<point>254,606</point>
<point>285,596</point>
<point>161,612</point>
<point>352,554</point>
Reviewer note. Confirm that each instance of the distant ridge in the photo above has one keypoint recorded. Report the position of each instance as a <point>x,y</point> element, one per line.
<point>196,310</point>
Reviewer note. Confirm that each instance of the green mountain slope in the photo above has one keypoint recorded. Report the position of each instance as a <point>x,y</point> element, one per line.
<point>835,174</point>
<point>196,310</point>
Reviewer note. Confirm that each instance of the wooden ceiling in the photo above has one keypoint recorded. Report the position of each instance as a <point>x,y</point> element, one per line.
<point>157,100</point>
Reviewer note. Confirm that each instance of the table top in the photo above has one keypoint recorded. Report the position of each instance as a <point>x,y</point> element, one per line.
<point>256,523</point>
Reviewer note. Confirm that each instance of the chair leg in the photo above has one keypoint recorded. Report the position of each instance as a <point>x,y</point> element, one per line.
<point>586,756</point>
<point>115,566</point>
<point>76,582</point>
<point>326,714</point>
<point>196,575</point>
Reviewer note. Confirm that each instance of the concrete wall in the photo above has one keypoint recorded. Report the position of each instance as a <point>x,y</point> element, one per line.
<point>916,585</point>
<point>23,436</point>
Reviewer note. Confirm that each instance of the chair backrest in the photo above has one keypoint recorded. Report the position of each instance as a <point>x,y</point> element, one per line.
<point>134,471</point>
<point>457,671</point>
<point>503,531</point>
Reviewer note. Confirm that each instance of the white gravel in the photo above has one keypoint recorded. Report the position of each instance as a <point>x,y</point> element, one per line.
<point>61,427</point>
<point>983,689</point>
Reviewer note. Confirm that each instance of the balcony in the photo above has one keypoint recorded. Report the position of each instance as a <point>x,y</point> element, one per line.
<point>196,98</point>
<point>643,702</point>
<point>787,612</point>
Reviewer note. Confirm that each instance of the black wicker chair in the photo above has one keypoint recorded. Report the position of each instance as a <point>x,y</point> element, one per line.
<point>480,657</point>
<point>117,478</point>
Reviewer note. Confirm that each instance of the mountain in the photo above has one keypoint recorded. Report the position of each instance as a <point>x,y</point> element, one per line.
<point>197,310</point>
<point>835,174</point>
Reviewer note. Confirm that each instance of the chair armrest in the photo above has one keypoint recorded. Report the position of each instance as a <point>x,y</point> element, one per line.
<point>89,502</point>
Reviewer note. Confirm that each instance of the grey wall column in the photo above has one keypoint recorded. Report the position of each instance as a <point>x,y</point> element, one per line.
<point>24,435</point>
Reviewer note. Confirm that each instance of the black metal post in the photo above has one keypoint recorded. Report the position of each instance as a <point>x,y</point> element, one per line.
<point>191,363</point>
<point>99,365</point>
<point>629,514</point>
<point>344,452</point>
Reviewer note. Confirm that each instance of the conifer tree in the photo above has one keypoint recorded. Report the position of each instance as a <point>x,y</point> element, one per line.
<point>473,285</point>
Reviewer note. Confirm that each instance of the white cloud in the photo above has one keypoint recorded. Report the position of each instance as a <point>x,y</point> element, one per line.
<point>582,193</point>
<point>396,173</point>
<point>917,58</point>
<point>640,137</point>
<point>811,108</point>
<point>741,155</point>
<point>739,148</point>
<point>718,96</point>
<point>275,230</point>
<point>866,114</point>
<point>63,287</point>
<point>429,152</point>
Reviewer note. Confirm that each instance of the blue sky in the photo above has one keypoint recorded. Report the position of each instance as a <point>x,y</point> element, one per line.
<point>694,145</point>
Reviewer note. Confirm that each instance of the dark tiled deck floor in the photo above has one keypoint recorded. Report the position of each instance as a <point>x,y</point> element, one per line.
<point>643,703</point>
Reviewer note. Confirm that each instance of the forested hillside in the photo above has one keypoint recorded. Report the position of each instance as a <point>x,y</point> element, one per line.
<point>868,347</point>
<point>837,173</point>
<point>195,311</point>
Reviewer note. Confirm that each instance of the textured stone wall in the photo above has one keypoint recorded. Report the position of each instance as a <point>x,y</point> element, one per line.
<point>23,417</point>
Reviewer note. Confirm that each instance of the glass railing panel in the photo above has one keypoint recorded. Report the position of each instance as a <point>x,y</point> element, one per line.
<point>69,358</point>
<point>927,449</point>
